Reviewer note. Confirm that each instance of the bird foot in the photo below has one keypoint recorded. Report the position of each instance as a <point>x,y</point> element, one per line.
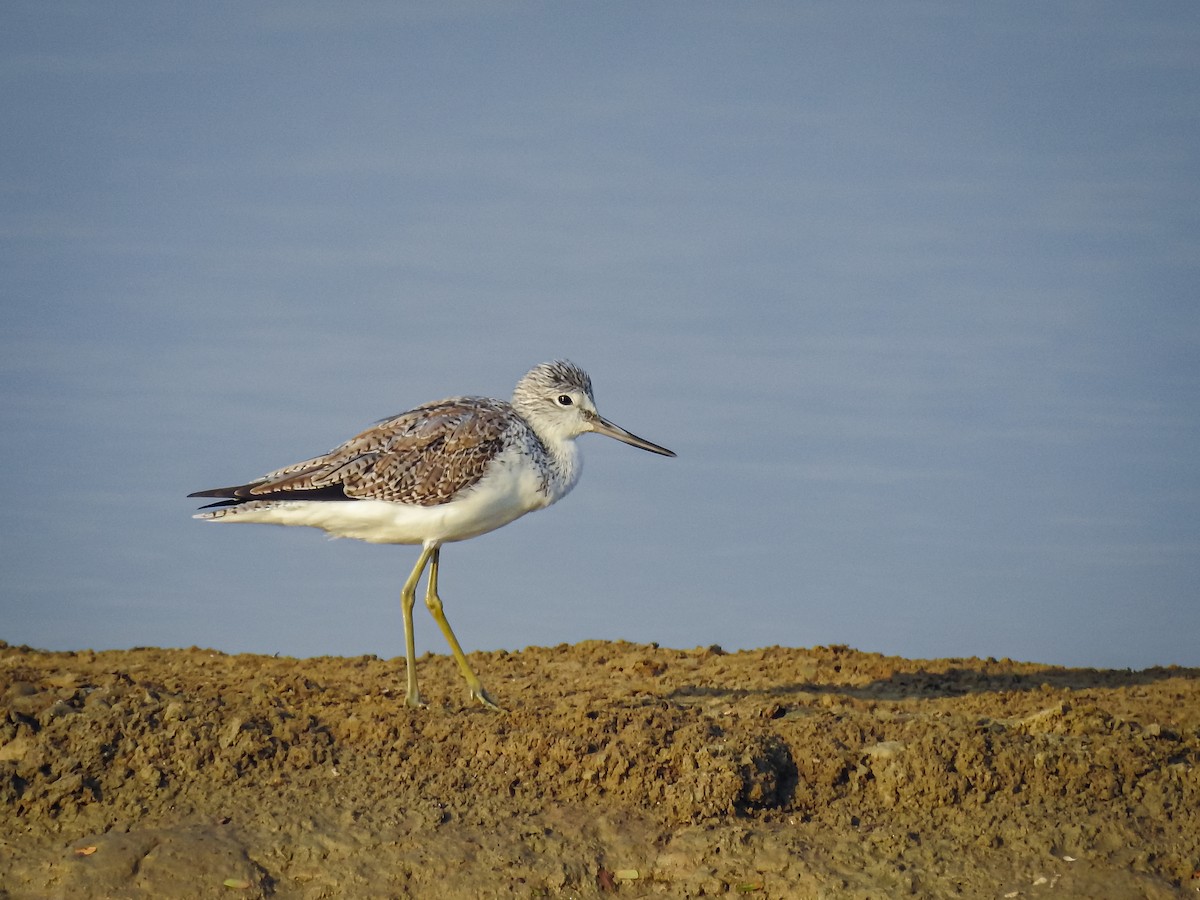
<point>414,701</point>
<point>485,699</point>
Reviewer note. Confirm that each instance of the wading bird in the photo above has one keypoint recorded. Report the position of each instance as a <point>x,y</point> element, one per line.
<point>443,472</point>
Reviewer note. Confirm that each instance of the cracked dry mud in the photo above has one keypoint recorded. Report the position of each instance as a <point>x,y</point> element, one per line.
<point>619,769</point>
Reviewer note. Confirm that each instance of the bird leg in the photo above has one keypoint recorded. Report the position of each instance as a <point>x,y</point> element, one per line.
<point>408,599</point>
<point>434,602</point>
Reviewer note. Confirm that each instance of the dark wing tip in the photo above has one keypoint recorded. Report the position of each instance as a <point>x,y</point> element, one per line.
<point>220,503</point>
<point>237,491</point>
<point>243,493</point>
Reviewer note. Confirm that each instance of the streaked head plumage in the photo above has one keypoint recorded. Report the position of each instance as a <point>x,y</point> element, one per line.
<point>556,399</point>
<point>544,379</point>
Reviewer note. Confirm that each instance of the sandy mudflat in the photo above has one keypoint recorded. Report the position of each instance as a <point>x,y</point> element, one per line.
<point>619,769</point>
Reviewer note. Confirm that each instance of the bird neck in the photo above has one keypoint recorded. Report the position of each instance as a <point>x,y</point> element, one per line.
<point>565,465</point>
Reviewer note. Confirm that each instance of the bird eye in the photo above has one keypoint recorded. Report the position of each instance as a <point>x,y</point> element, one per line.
<point>564,400</point>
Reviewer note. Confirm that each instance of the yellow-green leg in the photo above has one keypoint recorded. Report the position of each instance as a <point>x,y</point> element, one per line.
<point>408,599</point>
<point>434,602</point>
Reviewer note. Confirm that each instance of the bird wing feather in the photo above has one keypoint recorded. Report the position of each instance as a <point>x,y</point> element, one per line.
<point>424,456</point>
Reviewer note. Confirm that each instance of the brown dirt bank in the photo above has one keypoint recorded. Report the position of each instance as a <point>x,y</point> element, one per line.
<point>619,769</point>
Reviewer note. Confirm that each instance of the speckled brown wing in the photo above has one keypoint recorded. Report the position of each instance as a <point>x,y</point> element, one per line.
<point>434,452</point>
<point>424,456</point>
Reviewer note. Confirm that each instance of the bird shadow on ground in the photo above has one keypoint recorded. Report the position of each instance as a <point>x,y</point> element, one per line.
<point>956,682</point>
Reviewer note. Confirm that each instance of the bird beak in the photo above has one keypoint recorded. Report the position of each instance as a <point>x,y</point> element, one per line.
<point>601,425</point>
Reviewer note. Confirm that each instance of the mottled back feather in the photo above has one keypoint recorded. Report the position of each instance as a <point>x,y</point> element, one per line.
<point>425,457</point>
